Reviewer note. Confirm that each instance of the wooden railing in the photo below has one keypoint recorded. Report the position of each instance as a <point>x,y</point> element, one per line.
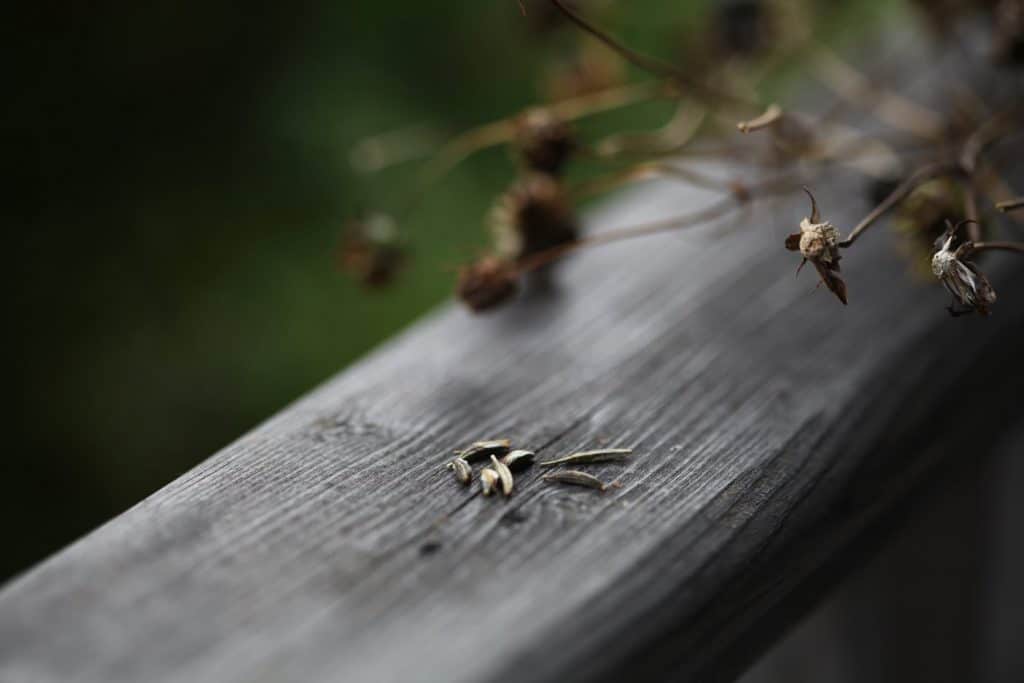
<point>777,435</point>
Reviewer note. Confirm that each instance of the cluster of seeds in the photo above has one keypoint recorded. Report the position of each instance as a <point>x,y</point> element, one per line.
<point>498,476</point>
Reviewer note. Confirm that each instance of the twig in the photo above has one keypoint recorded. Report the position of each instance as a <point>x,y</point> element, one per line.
<point>649,64</point>
<point>772,114</point>
<point>1017,247</point>
<point>1011,204</point>
<point>918,178</point>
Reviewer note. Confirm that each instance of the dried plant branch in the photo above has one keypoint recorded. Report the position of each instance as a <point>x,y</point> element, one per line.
<point>669,139</point>
<point>918,178</point>
<point>770,116</point>
<point>887,106</point>
<point>1011,204</point>
<point>1017,247</point>
<point>651,65</point>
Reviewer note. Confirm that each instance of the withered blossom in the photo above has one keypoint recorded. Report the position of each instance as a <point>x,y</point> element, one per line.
<point>818,242</point>
<point>533,216</point>
<point>487,283</point>
<point>543,141</point>
<point>370,250</point>
<point>968,285</point>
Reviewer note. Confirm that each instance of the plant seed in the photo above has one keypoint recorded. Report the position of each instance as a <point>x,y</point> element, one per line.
<point>481,450</point>
<point>519,460</point>
<point>576,478</point>
<point>504,475</point>
<point>488,481</point>
<point>586,457</point>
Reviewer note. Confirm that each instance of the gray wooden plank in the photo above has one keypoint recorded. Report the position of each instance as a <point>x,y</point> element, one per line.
<point>774,431</point>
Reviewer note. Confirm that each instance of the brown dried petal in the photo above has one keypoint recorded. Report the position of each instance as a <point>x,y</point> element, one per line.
<point>829,274</point>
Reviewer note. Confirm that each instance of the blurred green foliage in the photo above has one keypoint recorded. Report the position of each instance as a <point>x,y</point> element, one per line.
<point>180,175</point>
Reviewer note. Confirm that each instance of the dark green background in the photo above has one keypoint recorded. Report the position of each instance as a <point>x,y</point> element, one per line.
<point>177,178</point>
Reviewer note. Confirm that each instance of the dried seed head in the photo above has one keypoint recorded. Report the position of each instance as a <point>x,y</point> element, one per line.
<point>534,215</point>
<point>576,478</point>
<point>463,472</point>
<point>543,141</point>
<point>481,450</point>
<point>968,285</point>
<point>519,460</point>
<point>504,475</point>
<point>818,243</point>
<point>487,283</point>
<point>371,250</point>
<point>489,481</point>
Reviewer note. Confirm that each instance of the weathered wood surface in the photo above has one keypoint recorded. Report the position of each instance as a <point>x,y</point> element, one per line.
<point>775,432</point>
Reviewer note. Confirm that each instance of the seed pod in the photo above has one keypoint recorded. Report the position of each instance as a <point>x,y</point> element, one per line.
<point>481,450</point>
<point>504,475</point>
<point>587,457</point>
<point>519,460</point>
<point>488,481</point>
<point>371,250</point>
<point>533,216</point>
<point>463,472</point>
<point>818,243</point>
<point>576,478</point>
<point>544,141</point>
<point>487,283</point>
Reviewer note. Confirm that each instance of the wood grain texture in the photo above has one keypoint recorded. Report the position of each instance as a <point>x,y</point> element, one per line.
<point>775,432</point>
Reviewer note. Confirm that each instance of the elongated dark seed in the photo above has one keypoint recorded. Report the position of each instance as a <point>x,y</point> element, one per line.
<point>463,472</point>
<point>488,481</point>
<point>585,457</point>
<point>576,478</point>
<point>504,475</point>
<point>481,450</point>
<point>519,460</point>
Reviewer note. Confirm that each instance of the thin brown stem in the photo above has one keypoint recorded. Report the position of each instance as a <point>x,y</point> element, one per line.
<point>716,210</point>
<point>1017,247</point>
<point>770,116</point>
<point>918,178</point>
<point>651,65</point>
<point>1011,204</point>
<point>971,211</point>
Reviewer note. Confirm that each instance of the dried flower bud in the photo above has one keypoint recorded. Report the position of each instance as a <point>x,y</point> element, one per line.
<point>487,283</point>
<point>370,250</point>
<point>968,285</point>
<point>543,141</point>
<point>818,242</point>
<point>531,217</point>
